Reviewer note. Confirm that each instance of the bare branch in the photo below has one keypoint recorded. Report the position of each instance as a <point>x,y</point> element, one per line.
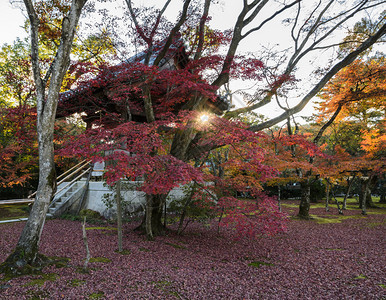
<point>270,18</point>
<point>343,63</point>
<point>173,32</point>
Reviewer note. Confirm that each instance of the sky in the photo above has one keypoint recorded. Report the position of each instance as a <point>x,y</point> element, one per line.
<point>11,19</point>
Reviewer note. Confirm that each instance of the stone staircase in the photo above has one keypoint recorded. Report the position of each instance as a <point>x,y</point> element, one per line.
<point>67,199</point>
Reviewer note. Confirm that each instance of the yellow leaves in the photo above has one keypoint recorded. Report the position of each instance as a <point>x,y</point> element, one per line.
<point>373,142</point>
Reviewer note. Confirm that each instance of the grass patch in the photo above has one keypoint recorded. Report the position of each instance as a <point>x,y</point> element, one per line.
<point>258,264</point>
<point>123,252</point>
<point>59,262</point>
<point>333,219</point>
<point>97,295</point>
<point>101,228</point>
<point>375,224</point>
<point>334,249</point>
<point>144,249</point>
<point>176,246</point>
<point>42,279</point>
<point>13,211</point>
<point>99,260</point>
<point>162,283</point>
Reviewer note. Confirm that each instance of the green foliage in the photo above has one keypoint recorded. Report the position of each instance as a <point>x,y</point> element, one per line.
<point>16,83</point>
<point>99,260</point>
<point>90,214</point>
<point>198,209</point>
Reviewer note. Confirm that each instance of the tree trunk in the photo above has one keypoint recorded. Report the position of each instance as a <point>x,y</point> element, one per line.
<point>119,215</point>
<point>279,197</point>
<point>304,206</point>
<point>365,193</point>
<point>25,258</point>
<point>349,182</point>
<point>327,195</point>
<point>152,222</point>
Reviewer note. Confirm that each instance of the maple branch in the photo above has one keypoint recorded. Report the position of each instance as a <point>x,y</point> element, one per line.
<point>270,18</point>
<point>343,63</point>
<point>201,31</point>
<point>173,32</point>
<point>328,123</point>
<point>299,52</point>
<point>34,24</point>
<point>139,29</point>
<point>234,113</point>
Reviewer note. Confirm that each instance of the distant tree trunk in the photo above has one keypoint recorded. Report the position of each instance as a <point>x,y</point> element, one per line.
<point>304,206</point>
<point>382,198</point>
<point>365,190</point>
<point>327,195</point>
<point>119,215</point>
<point>365,193</point>
<point>25,254</point>
<point>279,197</point>
<point>349,182</point>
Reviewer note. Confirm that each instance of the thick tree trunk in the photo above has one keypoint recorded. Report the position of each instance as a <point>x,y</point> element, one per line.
<point>304,206</point>
<point>365,193</point>
<point>152,222</point>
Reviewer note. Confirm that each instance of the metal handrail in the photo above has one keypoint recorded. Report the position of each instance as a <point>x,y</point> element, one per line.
<point>68,184</point>
<point>70,175</point>
<point>83,164</point>
<point>69,170</point>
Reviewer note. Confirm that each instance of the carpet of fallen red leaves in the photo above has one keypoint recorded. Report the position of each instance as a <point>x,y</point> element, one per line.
<point>311,261</point>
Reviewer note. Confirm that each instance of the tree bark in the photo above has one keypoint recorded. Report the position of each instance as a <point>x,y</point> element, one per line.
<point>304,206</point>
<point>350,182</point>
<point>365,198</point>
<point>119,215</point>
<point>25,256</point>
<point>327,195</point>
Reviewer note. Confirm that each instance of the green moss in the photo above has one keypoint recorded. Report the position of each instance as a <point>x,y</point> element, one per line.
<point>101,228</point>
<point>334,249</point>
<point>97,295</point>
<point>376,224</point>
<point>361,276</point>
<point>42,279</point>
<point>90,214</point>
<point>376,212</point>
<point>13,211</point>
<point>123,252</point>
<point>382,285</point>
<point>333,219</point>
<point>144,249</point>
<point>176,246</point>
<point>59,262</point>
<point>162,283</point>
<point>99,260</point>
<point>36,295</point>
<point>77,282</point>
<point>258,264</point>
<point>289,205</point>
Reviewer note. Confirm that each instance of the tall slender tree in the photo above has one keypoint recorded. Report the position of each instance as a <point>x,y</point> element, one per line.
<point>48,86</point>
